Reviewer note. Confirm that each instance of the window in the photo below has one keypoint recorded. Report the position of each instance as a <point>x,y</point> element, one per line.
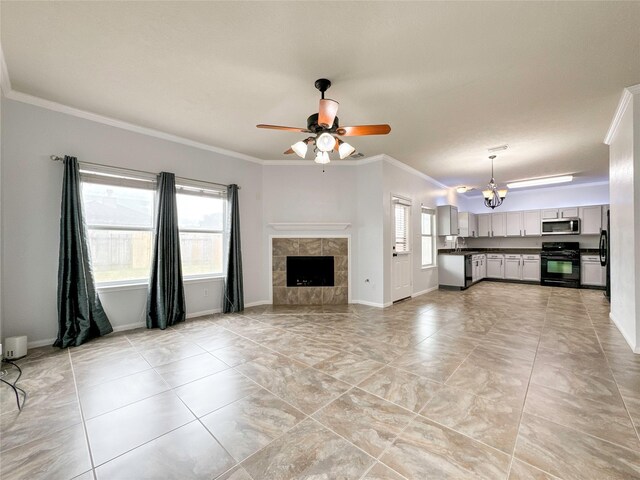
<point>428,237</point>
<point>119,216</point>
<point>401,215</point>
<point>201,214</point>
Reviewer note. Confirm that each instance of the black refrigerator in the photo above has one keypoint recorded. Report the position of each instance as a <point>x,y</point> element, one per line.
<point>605,254</point>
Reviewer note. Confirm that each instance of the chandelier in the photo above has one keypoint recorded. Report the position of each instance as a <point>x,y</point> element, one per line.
<point>493,197</point>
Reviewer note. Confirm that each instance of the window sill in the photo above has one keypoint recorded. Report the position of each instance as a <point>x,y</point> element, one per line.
<point>429,267</point>
<point>145,285</point>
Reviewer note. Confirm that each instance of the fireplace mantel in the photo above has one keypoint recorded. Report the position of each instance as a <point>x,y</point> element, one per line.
<point>301,227</point>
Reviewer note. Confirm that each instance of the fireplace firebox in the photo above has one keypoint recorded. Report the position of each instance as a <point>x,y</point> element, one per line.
<point>316,271</point>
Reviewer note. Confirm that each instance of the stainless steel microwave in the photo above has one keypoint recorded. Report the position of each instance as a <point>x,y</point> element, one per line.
<point>561,226</point>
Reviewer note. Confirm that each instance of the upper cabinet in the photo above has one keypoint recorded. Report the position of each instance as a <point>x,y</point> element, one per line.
<point>498,224</point>
<point>591,218</point>
<point>514,224</point>
<point>447,220</point>
<point>467,224</point>
<point>531,223</point>
<point>571,212</point>
<point>528,223</point>
<point>484,225</point>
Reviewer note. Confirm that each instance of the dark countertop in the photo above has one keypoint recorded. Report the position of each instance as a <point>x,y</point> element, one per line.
<point>512,251</point>
<point>507,251</point>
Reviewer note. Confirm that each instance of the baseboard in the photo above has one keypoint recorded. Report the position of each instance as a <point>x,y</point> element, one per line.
<point>41,343</point>
<point>203,313</point>
<point>129,326</point>
<point>372,304</point>
<point>417,294</point>
<point>634,348</point>
<point>257,304</point>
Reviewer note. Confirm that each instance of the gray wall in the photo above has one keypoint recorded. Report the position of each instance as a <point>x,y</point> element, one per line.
<point>31,191</point>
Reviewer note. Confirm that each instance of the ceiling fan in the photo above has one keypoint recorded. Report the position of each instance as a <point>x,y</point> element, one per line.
<point>324,125</point>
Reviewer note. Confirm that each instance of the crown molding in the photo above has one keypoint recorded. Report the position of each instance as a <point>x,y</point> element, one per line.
<point>625,99</point>
<point>418,173</point>
<point>113,122</point>
<point>5,82</point>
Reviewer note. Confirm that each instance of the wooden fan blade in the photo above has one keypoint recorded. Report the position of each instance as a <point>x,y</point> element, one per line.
<point>327,112</point>
<point>280,127</point>
<point>361,130</point>
<point>287,152</point>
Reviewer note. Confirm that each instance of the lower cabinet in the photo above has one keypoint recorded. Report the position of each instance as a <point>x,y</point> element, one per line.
<point>531,268</point>
<point>512,270</point>
<point>495,266</point>
<point>591,272</point>
<point>514,267</point>
<point>479,267</point>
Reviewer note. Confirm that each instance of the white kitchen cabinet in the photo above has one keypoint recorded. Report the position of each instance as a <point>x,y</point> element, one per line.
<point>484,225</point>
<point>498,225</point>
<point>483,266</point>
<point>531,268</point>
<point>447,220</point>
<point>570,212</point>
<point>591,220</point>
<point>531,223</point>
<point>475,268</point>
<point>495,266</point>
<point>605,209</point>
<point>467,224</point>
<point>591,272</point>
<point>549,213</point>
<point>512,267</point>
<point>514,224</point>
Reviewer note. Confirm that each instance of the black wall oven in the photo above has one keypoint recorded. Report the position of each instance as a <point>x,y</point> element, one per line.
<point>560,264</point>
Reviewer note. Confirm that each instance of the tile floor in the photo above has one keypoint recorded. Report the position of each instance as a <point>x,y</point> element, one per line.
<point>501,381</point>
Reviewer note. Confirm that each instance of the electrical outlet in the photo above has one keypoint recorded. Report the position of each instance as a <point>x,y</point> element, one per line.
<point>206,292</point>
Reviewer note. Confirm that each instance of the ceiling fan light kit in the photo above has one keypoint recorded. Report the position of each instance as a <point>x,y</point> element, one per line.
<point>300,148</point>
<point>326,142</point>
<point>322,158</point>
<point>326,127</point>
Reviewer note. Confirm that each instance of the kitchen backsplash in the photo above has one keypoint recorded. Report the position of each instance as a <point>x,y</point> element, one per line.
<point>586,241</point>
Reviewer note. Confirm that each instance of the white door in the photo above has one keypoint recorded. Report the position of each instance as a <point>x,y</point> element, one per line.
<point>401,262</point>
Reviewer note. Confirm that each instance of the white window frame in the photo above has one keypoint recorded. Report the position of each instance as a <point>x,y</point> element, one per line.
<point>406,205</point>
<point>192,187</point>
<point>106,175</point>
<point>116,177</point>
<point>432,214</point>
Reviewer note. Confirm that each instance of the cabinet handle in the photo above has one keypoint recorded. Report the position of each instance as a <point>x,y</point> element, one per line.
<point>492,233</point>
<point>520,232</point>
<point>525,232</point>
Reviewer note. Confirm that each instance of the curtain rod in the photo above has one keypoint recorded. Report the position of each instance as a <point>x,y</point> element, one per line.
<point>57,158</point>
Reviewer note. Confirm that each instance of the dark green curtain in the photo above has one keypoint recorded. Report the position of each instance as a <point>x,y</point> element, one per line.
<point>80,313</point>
<point>233,289</point>
<point>165,299</point>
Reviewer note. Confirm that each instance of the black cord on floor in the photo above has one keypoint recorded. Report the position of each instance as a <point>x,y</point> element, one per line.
<point>13,385</point>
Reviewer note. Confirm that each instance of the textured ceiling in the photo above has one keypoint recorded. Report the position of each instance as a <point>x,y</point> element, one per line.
<point>452,79</point>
